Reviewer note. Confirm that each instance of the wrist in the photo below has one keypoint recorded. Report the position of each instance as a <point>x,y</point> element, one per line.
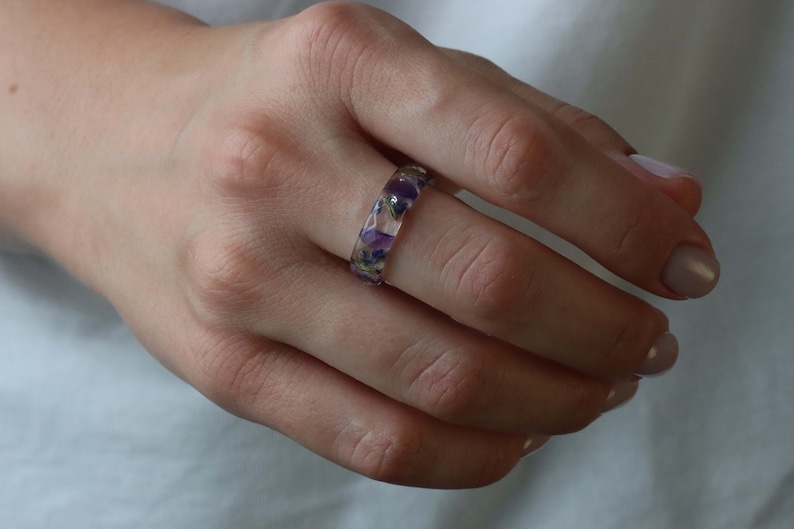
<point>94,106</point>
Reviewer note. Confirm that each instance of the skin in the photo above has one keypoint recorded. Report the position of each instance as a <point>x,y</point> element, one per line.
<point>210,182</point>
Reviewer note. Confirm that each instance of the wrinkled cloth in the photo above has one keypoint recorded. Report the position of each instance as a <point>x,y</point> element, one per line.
<point>95,433</point>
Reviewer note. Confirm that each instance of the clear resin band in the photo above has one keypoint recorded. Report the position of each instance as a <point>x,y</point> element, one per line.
<point>383,223</point>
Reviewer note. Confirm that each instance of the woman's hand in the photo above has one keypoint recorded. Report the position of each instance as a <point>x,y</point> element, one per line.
<point>211,182</point>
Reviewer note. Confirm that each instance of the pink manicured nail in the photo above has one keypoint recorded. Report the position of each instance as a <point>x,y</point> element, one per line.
<point>691,272</point>
<point>661,357</point>
<point>660,169</point>
<point>621,394</point>
<point>534,443</point>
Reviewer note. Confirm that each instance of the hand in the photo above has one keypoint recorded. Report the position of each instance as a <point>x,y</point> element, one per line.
<point>210,182</point>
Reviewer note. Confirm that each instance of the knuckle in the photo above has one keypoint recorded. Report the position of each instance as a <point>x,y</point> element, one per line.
<point>493,280</point>
<point>476,62</point>
<point>483,64</point>
<point>242,160</point>
<point>571,114</point>
<point>399,454</point>
<point>449,386</point>
<point>583,405</point>
<point>223,275</point>
<point>226,372</point>
<point>346,15</point>
<point>324,27</point>
<point>590,126</point>
<point>494,465</point>
<point>333,39</point>
<point>392,453</point>
<point>631,242</point>
<point>612,360</point>
<point>515,153</point>
<point>630,341</point>
<point>240,375</point>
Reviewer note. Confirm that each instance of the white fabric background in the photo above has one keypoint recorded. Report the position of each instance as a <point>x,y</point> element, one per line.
<point>94,433</point>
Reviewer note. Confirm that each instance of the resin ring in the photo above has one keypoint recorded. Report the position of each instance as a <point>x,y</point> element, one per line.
<point>383,223</point>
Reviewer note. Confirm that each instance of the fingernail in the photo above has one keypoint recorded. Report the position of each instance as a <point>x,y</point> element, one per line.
<point>660,169</point>
<point>661,357</point>
<point>621,394</point>
<point>533,444</point>
<point>691,272</point>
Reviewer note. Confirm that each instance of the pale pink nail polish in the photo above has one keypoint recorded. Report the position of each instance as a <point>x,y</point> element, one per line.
<point>621,394</point>
<point>691,272</point>
<point>533,444</point>
<point>660,169</point>
<point>661,357</point>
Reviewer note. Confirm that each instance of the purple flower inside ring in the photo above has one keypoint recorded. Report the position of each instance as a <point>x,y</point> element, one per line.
<point>384,221</point>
